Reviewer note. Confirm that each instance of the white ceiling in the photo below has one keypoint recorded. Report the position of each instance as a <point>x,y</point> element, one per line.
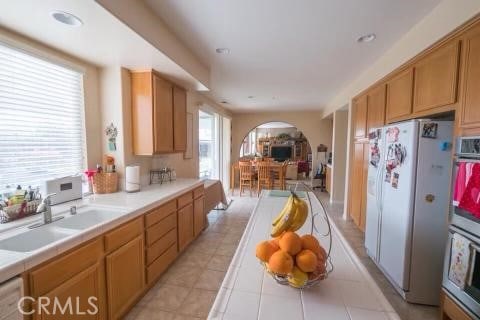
<point>280,125</point>
<point>288,55</point>
<point>103,40</point>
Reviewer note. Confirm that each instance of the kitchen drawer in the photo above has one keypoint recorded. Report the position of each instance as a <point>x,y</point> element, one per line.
<point>161,264</point>
<point>159,213</point>
<point>198,192</point>
<point>158,230</point>
<point>51,275</point>
<point>161,245</point>
<point>184,200</point>
<point>123,234</point>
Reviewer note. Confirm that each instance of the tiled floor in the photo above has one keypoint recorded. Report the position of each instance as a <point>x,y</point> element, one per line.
<point>406,311</point>
<point>189,287</point>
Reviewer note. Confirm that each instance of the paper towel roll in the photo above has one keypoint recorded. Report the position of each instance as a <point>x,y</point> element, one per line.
<point>132,178</point>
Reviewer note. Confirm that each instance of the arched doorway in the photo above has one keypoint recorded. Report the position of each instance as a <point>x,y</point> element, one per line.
<point>280,141</point>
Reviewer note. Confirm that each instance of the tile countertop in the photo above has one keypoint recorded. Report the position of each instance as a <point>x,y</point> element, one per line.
<point>130,204</point>
<point>248,292</point>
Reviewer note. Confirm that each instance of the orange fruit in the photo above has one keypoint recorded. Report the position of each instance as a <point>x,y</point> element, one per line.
<point>264,250</point>
<point>306,260</point>
<point>274,243</point>
<point>319,272</point>
<point>281,262</point>
<point>311,243</point>
<point>290,243</point>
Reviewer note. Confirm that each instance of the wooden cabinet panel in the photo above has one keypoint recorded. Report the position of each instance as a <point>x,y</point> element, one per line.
<point>470,113</point>
<point>198,192</point>
<point>142,113</point>
<point>163,115</point>
<point>363,208</point>
<point>185,226</point>
<point>360,117</point>
<point>179,119</point>
<point>184,199</point>
<point>160,246</point>
<point>158,230</point>
<point>125,277</point>
<point>198,216</point>
<point>123,234</point>
<point>376,108</point>
<point>161,264</point>
<point>160,213</point>
<point>435,83</point>
<point>49,276</point>
<point>356,184</point>
<point>450,310</point>
<point>83,290</point>
<point>399,95</point>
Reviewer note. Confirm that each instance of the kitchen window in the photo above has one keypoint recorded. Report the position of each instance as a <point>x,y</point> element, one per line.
<point>42,121</point>
<point>209,147</point>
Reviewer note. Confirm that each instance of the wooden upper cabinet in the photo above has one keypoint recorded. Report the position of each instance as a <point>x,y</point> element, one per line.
<point>179,119</point>
<point>163,115</point>
<point>376,107</point>
<point>360,117</point>
<point>159,120</point>
<point>399,95</point>
<point>470,112</point>
<point>436,78</point>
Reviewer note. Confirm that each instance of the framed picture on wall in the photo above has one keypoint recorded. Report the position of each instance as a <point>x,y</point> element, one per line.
<point>188,154</point>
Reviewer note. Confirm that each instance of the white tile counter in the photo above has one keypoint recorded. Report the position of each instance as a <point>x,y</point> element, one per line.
<point>249,292</point>
<point>130,205</point>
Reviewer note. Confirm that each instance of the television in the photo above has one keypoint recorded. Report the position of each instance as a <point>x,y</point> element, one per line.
<point>281,153</point>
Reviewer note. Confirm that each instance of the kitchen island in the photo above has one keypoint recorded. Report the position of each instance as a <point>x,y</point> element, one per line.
<point>249,292</point>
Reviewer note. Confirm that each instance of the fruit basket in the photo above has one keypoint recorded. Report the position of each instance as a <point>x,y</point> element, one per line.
<point>311,263</point>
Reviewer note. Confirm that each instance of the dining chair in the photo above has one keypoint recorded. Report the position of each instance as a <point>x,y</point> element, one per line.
<point>279,176</point>
<point>247,176</point>
<point>264,176</point>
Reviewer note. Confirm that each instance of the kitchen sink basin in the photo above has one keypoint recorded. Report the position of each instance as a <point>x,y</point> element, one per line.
<point>35,239</point>
<point>88,217</point>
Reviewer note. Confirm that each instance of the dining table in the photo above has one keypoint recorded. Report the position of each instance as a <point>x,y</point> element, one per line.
<point>275,168</point>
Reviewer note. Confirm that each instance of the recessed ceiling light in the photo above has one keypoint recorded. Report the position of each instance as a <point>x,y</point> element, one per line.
<point>367,38</point>
<point>67,18</point>
<point>224,101</point>
<point>222,50</point>
<point>251,97</point>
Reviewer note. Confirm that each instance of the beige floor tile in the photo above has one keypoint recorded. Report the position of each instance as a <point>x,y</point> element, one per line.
<point>169,297</point>
<point>183,276</point>
<point>197,303</point>
<point>219,263</point>
<point>184,317</point>
<point>210,280</point>
<point>226,249</point>
<point>151,313</point>
<point>194,259</point>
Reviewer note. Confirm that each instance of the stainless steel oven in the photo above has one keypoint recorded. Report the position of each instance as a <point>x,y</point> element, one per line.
<point>467,225</point>
<point>467,150</point>
<point>469,296</point>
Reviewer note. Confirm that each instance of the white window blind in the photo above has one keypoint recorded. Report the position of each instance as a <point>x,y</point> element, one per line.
<point>41,119</point>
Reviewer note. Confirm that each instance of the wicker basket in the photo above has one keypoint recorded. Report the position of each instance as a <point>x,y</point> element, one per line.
<point>105,182</point>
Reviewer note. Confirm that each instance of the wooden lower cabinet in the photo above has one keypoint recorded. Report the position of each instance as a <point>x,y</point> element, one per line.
<point>449,310</point>
<point>79,297</point>
<point>185,226</point>
<point>359,184</point>
<point>198,216</point>
<point>125,269</point>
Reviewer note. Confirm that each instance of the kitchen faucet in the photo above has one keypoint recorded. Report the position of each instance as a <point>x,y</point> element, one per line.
<point>45,207</point>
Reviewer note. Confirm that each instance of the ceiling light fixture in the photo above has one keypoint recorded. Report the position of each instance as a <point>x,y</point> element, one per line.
<point>224,101</point>
<point>222,50</point>
<point>367,38</point>
<point>251,97</point>
<point>67,18</point>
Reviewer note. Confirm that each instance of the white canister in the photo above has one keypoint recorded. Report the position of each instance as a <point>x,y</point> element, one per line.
<point>132,178</point>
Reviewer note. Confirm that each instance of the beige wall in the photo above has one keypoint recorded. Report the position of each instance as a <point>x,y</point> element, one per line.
<point>90,86</point>
<point>339,159</point>
<point>316,130</point>
<point>443,19</point>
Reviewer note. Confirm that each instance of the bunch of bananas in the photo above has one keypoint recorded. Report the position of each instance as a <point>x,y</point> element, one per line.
<point>292,217</point>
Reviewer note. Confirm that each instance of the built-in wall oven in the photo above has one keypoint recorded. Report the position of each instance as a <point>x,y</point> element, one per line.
<point>466,225</point>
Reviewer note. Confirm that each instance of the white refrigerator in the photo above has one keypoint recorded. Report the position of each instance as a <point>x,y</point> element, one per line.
<point>407,205</point>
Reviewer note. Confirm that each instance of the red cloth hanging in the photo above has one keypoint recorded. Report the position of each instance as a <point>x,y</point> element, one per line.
<point>470,200</point>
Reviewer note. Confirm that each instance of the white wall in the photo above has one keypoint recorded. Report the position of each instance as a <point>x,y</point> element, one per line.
<point>443,19</point>
<point>339,158</point>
